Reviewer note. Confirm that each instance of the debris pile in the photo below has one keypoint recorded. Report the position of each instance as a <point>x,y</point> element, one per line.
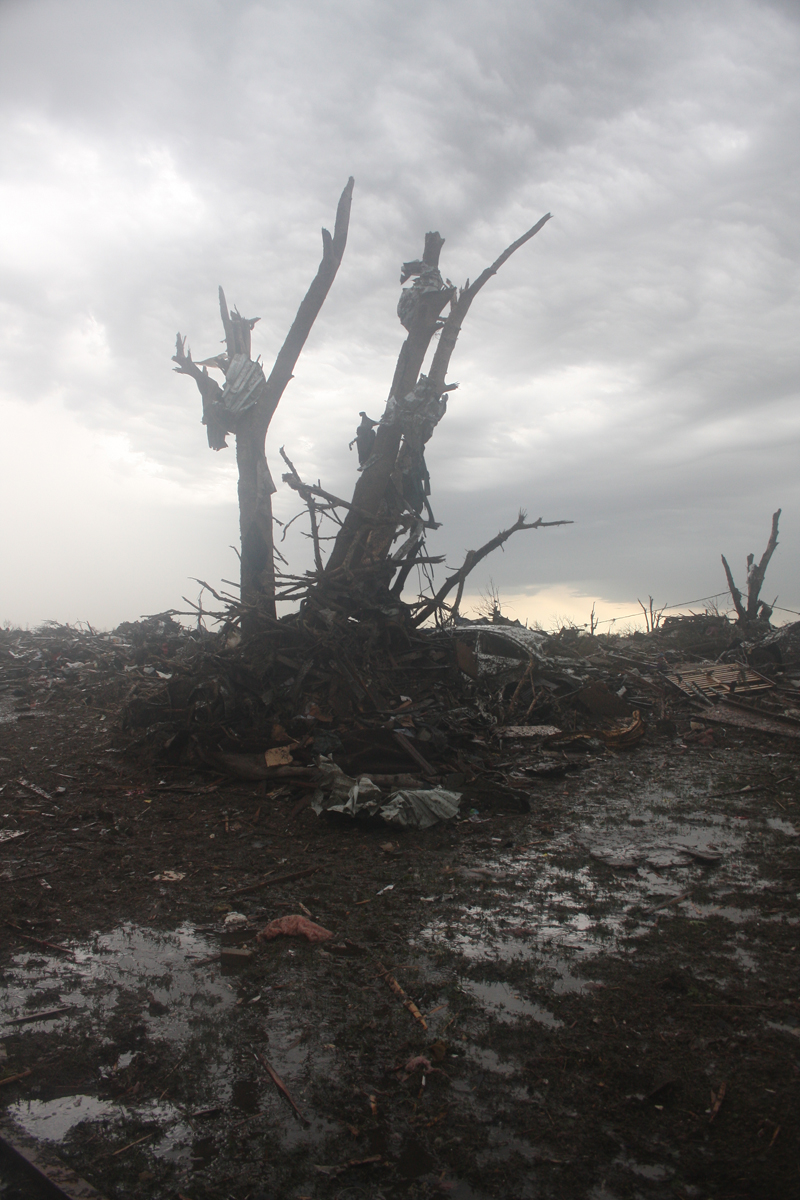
<point>375,719</point>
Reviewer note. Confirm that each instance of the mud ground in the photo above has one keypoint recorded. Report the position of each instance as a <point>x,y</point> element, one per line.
<point>610,982</point>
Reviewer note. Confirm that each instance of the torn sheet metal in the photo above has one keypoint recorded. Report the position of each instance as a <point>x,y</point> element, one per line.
<point>627,734</point>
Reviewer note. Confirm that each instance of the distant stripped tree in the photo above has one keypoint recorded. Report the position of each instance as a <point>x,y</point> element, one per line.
<point>246,404</point>
<point>755,609</point>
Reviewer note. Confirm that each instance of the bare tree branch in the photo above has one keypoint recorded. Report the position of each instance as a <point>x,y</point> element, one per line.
<point>332,252</point>
<point>461,306</point>
<point>472,559</point>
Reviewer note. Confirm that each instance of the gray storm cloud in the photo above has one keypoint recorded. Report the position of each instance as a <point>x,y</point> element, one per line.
<point>634,368</point>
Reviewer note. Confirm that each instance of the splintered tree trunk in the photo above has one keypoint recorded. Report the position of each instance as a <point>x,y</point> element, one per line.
<point>755,580</point>
<point>371,488</point>
<point>246,405</point>
<point>755,575</point>
<point>416,404</point>
<point>257,568</point>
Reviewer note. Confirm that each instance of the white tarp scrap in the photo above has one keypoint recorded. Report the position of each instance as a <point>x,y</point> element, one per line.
<point>419,808</point>
<point>407,808</point>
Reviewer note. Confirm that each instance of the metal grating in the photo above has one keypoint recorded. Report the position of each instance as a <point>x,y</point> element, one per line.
<point>717,679</point>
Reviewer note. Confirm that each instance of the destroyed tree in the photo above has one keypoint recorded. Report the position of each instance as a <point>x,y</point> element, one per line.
<point>390,499</point>
<point>755,609</point>
<point>246,405</point>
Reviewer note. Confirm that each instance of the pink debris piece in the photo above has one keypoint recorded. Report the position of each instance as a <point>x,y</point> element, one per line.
<point>418,1061</point>
<point>294,926</point>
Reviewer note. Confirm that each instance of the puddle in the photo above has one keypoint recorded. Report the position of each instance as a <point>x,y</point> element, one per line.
<point>552,908</point>
<point>8,709</point>
<point>782,826</point>
<point>146,990</point>
<point>53,1119</point>
<point>745,959</point>
<point>491,1061</point>
<point>598,889</point>
<point>131,970</point>
<point>507,1005</point>
<point>415,1160</point>
<point>657,1173</point>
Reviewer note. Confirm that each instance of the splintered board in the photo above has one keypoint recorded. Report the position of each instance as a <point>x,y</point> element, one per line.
<point>717,679</point>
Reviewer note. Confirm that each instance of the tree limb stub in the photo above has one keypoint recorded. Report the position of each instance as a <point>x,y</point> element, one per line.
<point>473,557</point>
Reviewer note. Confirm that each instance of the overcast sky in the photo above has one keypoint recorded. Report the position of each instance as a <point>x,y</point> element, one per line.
<point>634,368</point>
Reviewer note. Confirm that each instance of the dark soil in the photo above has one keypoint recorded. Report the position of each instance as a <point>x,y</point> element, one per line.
<point>594,1030</point>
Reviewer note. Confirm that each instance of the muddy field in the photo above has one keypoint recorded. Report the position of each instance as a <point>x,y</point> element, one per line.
<point>609,983</point>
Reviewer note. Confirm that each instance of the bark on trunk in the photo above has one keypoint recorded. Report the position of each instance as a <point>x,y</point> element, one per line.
<point>247,404</point>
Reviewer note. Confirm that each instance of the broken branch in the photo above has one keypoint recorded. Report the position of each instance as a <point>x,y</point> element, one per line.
<point>472,559</point>
<point>280,1085</point>
<point>398,991</point>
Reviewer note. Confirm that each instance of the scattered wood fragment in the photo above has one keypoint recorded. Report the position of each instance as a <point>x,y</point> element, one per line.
<point>398,991</point>
<point>667,903</point>
<point>14,1078</point>
<point>32,787</point>
<point>194,789</point>
<point>44,873</point>
<point>26,937</point>
<point>269,880</point>
<point>340,1168</point>
<point>729,713</point>
<point>234,956</point>
<point>42,1016</point>
<point>414,753</point>
<point>49,1174</point>
<point>280,1085</point>
<point>716,1101</point>
<point>130,1145</point>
